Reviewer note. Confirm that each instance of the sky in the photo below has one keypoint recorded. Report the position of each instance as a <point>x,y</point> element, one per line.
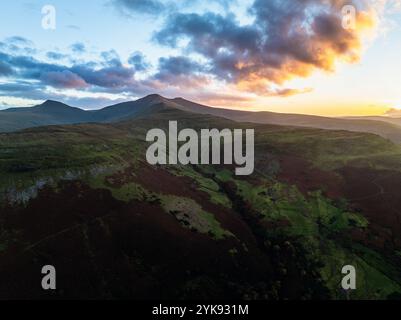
<point>293,56</point>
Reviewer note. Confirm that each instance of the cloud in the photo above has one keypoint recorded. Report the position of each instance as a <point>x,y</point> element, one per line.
<point>151,7</point>
<point>138,61</point>
<point>55,55</point>
<point>78,47</point>
<point>35,93</point>
<point>181,72</point>
<point>396,113</point>
<point>5,69</point>
<point>222,99</point>
<point>73,27</point>
<point>17,40</point>
<point>17,44</point>
<point>28,68</point>
<point>285,40</point>
<point>288,39</point>
<point>164,7</point>
<point>285,92</point>
<point>63,79</point>
<point>107,77</point>
<point>109,73</point>
<point>25,90</point>
<point>16,87</point>
<point>175,74</point>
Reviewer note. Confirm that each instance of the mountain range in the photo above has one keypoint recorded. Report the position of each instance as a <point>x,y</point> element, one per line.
<point>83,198</point>
<point>57,113</point>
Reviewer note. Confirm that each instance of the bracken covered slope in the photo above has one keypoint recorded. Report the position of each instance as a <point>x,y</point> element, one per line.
<point>83,198</point>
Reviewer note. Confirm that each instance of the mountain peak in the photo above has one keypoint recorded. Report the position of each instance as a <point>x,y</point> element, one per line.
<point>154,98</point>
<point>53,104</point>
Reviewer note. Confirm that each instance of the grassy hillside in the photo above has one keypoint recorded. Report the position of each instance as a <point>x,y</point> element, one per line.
<point>84,199</point>
<point>388,129</point>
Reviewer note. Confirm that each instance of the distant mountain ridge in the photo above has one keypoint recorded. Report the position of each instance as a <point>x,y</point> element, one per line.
<point>56,113</point>
<point>48,113</point>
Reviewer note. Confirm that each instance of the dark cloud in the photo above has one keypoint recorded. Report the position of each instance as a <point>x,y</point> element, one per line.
<point>17,40</point>
<point>180,72</point>
<point>152,7</point>
<point>55,55</point>
<point>287,39</point>
<point>29,68</point>
<point>138,61</point>
<point>18,44</point>
<point>33,91</point>
<point>63,79</point>
<point>163,7</point>
<point>26,90</point>
<point>107,77</point>
<point>5,69</point>
<point>111,58</point>
<point>177,66</point>
<point>109,74</point>
<point>78,47</point>
<point>16,87</point>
